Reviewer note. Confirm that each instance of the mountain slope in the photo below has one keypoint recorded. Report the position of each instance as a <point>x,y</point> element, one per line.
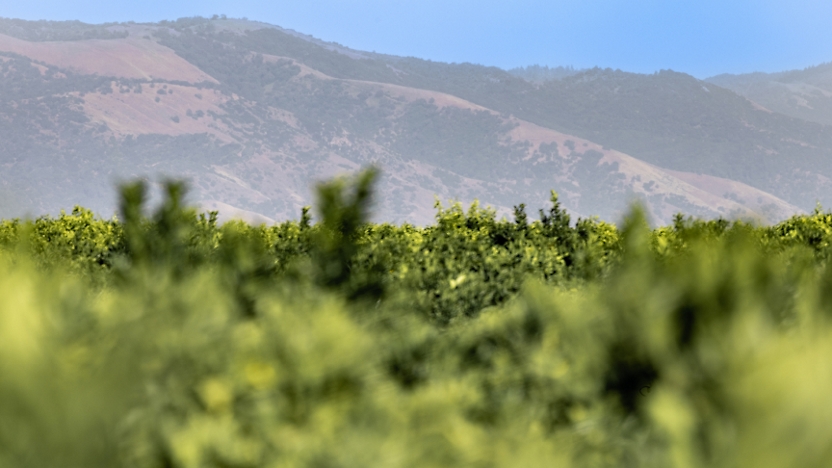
<point>804,94</point>
<point>668,119</point>
<point>252,115</point>
<point>130,57</point>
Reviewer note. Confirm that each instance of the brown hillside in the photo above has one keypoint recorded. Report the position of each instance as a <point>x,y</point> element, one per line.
<point>131,57</point>
<point>159,109</point>
<point>296,128</point>
<point>142,110</point>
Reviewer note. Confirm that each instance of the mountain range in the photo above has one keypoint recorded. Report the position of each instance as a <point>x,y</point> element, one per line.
<point>252,115</point>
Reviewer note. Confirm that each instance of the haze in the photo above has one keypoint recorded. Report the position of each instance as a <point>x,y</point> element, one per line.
<point>701,38</point>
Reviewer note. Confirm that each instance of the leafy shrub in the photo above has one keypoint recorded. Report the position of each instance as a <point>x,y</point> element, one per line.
<point>171,341</point>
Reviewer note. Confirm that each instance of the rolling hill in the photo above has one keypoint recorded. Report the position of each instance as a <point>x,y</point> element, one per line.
<point>804,94</point>
<point>252,115</point>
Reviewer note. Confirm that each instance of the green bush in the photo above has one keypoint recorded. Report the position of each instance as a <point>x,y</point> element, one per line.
<point>171,341</point>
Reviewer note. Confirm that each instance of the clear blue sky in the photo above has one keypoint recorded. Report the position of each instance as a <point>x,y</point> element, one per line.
<point>703,37</point>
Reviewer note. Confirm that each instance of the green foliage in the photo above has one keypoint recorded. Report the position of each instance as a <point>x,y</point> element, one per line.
<point>165,340</point>
<point>175,235</point>
<point>336,242</point>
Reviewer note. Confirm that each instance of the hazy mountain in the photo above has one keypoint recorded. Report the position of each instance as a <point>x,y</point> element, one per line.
<point>253,114</point>
<point>538,74</point>
<point>805,94</point>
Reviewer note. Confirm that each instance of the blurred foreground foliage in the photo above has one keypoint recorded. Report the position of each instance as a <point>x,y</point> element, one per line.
<point>172,341</point>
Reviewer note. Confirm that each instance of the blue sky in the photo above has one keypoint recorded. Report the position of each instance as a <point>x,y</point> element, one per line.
<point>703,37</point>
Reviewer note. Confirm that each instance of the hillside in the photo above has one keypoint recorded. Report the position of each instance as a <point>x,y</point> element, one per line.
<point>804,94</point>
<point>252,115</point>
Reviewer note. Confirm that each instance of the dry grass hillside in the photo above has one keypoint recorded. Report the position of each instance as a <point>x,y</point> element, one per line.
<point>253,138</point>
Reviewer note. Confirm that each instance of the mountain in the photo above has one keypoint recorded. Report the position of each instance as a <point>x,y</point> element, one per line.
<point>804,94</point>
<point>252,115</point>
<point>538,74</point>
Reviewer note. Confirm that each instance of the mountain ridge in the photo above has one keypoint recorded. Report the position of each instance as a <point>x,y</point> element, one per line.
<point>805,94</point>
<point>252,130</point>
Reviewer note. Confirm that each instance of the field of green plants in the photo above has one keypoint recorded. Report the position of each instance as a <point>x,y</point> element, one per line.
<point>160,340</point>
